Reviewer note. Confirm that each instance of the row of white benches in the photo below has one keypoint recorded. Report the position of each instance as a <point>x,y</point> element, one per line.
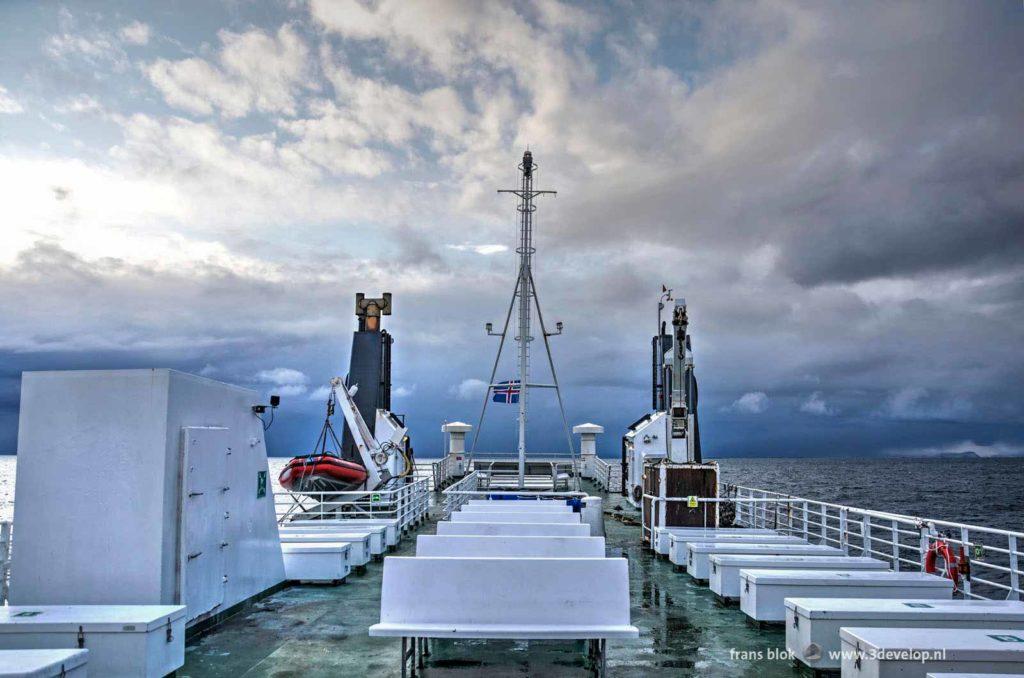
<point>850,613</point>
<point>536,573</point>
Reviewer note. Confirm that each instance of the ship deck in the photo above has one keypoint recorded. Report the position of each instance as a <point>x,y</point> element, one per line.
<point>322,631</point>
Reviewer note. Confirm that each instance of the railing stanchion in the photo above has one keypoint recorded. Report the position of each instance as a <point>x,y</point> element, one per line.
<point>1014,569</point>
<point>895,546</point>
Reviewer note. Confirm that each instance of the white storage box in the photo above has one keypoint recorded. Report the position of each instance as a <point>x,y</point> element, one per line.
<point>817,620</point>
<point>359,544</point>
<point>378,545</point>
<point>316,563</point>
<point>662,535</point>
<point>763,592</point>
<point>725,568</point>
<point>123,640</point>
<point>698,558</point>
<point>43,663</point>
<point>678,543</point>
<point>520,529</point>
<point>892,652</point>
<point>514,517</point>
<point>392,534</point>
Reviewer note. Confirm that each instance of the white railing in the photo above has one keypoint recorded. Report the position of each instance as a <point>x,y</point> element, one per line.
<point>607,476</point>
<point>406,503</point>
<point>477,485</point>
<point>901,540</point>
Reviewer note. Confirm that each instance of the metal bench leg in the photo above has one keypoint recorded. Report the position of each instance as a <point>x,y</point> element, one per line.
<point>603,648</point>
<point>420,642</point>
<point>405,655</point>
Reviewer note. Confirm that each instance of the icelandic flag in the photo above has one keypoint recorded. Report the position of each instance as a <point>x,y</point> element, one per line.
<point>506,392</point>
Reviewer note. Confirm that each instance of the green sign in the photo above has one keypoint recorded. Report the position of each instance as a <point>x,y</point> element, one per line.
<point>374,497</point>
<point>979,551</point>
<point>261,484</point>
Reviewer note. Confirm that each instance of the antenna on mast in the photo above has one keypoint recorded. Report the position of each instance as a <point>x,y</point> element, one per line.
<point>524,300</point>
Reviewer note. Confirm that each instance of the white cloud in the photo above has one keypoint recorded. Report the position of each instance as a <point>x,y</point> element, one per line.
<point>83,103</point>
<point>485,250</point>
<point>917,402</point>
<point>754,402</point>
<point>815,404</point>
<point>255,71</point>
<point>286,382</point>
<point>135,33</point>
<point>469,389</point>
<point>9,104</point>
<point>404,391</point>
<point>320,393</point>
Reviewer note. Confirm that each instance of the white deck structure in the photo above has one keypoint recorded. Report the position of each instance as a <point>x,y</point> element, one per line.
<point>359,544</point>
<point>764,592</point>
<point>726,571</point>
<point>123,640</point>
<point>698,554</point>
<point>663,535</point>
<point>43,663</point>
<point>678,543</point>
<point>892,652</point>
<point>519,529</point>
<point>316,563</point>
<point>818,620</point>
<point>378,546</point>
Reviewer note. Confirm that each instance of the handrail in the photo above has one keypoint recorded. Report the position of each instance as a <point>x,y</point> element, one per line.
<point>408,504</point>
<point>991,551</point>
<point>470,487</point>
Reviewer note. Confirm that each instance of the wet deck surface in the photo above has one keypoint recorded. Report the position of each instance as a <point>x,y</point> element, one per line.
<point>321,631</point>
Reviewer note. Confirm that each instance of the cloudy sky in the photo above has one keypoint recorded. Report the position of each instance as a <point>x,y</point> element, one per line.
<point>837,189</point>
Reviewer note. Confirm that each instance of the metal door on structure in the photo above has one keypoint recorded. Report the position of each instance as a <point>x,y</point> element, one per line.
<point>203,516</point>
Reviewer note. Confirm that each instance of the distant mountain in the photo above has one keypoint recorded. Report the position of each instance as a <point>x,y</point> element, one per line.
<point>968,454</point>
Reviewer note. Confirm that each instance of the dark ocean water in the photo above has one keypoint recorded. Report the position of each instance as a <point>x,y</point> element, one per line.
<point>988,492</point>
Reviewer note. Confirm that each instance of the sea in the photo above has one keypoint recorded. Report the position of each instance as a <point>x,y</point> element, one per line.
<point>986,491</point>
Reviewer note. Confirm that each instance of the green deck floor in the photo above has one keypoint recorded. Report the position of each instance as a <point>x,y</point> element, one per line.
<point>321,631</point>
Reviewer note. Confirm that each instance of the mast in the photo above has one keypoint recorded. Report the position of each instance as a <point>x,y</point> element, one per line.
<point>524,299</point>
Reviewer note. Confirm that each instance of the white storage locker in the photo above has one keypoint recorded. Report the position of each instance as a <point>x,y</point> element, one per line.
<point>123,640</point>
<point>392,533</point>
<point>663,534</point>
<point>359,544</point>
<point>43,663</point>
<point>974,675</point>
<point>698,560</point>
<point>679,542</point>
<point>725,570</point>
<point>316,563</point>
<point>764,592</point>
<point>896,652</point>
<point>517,507</point>
<point>813,624</point>
<point>378,544</point>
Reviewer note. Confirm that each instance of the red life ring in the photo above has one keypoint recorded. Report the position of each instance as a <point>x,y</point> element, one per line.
<point>950,562</point>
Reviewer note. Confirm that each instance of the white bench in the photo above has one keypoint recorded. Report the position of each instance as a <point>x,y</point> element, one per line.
<point>515,507</point>
<point>123,640</point>
<point>727,571</point>
<point>359,544</point>
<point>663,534</point>
<point>392,533</point>
<point>764,592</point>
<point>818,620</point>
<point>698,557</point>
<point>316,563</point>
<point>519,517</point>
<point>43,663</point>
<point>881,652</point>
<point>505,547</point>
<point>526,503</point>
<point>533,598</point>
<point>378,544</point>
<point>679,542</point>
<point>516,529</point>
